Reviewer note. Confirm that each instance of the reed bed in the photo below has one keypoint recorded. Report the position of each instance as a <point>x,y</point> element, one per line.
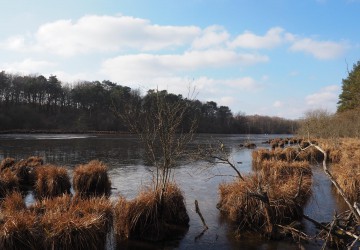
<point>273,195</point>
<point>12,202</point>
<point>51,181</point>
<point>91,180</point>
<point>25,170</point>
<point>9,182</point>
<point>146,217</point>
<point>75,224</point>
<point>20,230</point>
<point>6,163</point>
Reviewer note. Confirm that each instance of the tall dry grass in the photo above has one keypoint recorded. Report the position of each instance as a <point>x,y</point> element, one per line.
<point>7,163</point>
<point>146,218</point>
<point>25,170</point>
<point>20,230</point>
<point>51,181</point>
<point>287,187</point>
<point>91,179</point>
<point>9,182</point>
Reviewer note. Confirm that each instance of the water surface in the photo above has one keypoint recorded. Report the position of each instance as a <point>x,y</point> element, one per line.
<point>123,154</point>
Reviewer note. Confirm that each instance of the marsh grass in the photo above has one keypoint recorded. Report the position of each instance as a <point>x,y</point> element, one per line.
<point>146,218</point>
<point>9,182</point>
<point>25,170</point>
<point>6,163</point>
<point>286,185</point>
<point>51,181</point>
<point>91,180</point>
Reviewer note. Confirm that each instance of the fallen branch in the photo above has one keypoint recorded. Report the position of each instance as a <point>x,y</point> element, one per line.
<point>197,210</point>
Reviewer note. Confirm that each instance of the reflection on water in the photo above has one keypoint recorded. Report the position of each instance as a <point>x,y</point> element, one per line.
<point>123,155</point>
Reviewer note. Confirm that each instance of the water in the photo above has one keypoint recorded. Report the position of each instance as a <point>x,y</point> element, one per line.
<point>123,154</point>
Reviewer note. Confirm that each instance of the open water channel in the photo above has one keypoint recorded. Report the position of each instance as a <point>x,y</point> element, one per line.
<point>124,156</point>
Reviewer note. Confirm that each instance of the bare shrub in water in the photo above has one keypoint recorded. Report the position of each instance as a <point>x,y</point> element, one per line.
<point>51,181</point>
<point>91,179</point>
<point>146,217</point>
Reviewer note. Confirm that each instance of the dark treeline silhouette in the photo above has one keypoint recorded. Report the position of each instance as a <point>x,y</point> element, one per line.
<point>34,102</point>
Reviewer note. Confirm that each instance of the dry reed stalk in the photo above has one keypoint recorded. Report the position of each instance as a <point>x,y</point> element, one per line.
<point>146,218</point>
<point>9,182</point>
<point>20,230</point>
<point>283,169</point>
<point>6,163</point>
<point>91,180</point>
<point>51,181</point>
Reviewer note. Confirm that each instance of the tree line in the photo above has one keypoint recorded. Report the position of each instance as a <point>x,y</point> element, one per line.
<point>34,102</point>
<point>346,121</point>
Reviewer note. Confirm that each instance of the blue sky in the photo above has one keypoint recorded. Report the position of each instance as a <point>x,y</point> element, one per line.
<point>271,57</point>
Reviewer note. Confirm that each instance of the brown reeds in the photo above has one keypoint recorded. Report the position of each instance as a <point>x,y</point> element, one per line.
<point>273,195</point>
<point>146,217</point>
<point>20,230</point>
<point>6,163</point>
<point>9,182</point>
<point>13,202</point>
<point>51,181</point>
<point>74,223</point>
<point>25,170</point>
<point>91,180</point>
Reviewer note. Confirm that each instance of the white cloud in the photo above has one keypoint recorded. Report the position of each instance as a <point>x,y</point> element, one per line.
<point>28,66</point>
<point>211,37</point>
<point>107,33</point>
<point>326,98</point>
<point>273,37</point>
<point>320,49</point>
<point>141,67</point>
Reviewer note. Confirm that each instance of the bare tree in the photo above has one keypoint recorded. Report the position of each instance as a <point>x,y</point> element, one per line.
<point>165,125</point>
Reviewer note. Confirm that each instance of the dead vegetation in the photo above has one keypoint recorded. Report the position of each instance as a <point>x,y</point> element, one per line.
<point>273,195</point>
<point>149,217</point>
<point>91,179</point>
<point>51,181</point>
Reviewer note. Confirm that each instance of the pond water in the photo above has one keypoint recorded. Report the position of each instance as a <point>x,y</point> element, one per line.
<point>123,154</point>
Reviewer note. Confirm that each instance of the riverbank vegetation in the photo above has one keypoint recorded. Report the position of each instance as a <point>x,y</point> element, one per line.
<point>53,106</point>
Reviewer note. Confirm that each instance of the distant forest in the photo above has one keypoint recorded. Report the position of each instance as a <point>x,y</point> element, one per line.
<point>34,102</point>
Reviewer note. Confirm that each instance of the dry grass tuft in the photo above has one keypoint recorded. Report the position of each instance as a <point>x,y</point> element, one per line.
<point>9,182</point>
<point>20,230</point>
<point>51,181</point>
<point>74,223</point>
<point>25,170</point>
<point>13,202</point>
<point>146,218</point>
<point>6,163</point>
<point>286,185</point>
<point>91,180</point>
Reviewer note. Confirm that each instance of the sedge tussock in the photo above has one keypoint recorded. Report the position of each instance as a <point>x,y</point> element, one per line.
<point>6,163</point>
<point>9,182</point>
<point>25,170</point>
<point>146,217</point>
<point>20,230</point>
<point>91,179</point>
<point>13,202</point>
<point>51,181</point>
<point>287,187</point>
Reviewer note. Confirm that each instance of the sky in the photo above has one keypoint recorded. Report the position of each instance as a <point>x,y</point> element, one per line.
<point>270,57</point>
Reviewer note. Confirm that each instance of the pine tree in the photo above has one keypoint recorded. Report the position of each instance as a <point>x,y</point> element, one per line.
<point>350,96</point>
